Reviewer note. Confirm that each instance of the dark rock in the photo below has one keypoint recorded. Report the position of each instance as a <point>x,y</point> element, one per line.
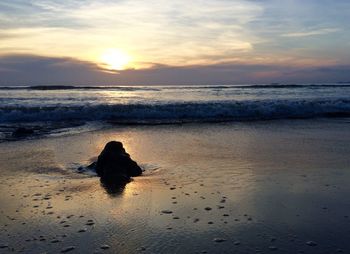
<point>114,165</point>
<point>21,132</point>
<point>92,165</point>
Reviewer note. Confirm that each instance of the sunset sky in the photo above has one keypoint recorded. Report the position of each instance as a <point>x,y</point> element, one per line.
<point>92,42</point>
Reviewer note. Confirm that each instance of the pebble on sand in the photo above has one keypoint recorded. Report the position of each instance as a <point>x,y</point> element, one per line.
<point>219,240</point>
<point>104,247</point>
<point>273,248</point>
<point>167,211</point>
<point>67,249</point>
<point>3,246</point>
<point>311,243</point>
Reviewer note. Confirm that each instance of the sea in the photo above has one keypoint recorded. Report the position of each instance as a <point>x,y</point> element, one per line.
<point>227,169</point>
<point>57,110</point>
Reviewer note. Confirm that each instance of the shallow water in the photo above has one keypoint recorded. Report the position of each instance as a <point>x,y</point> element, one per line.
<point>218,188</point>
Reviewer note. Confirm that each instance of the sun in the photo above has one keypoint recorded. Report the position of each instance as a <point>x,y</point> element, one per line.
<point>115,59</point>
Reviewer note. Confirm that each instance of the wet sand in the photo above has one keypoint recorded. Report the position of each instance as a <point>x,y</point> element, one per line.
<point>259,187</point>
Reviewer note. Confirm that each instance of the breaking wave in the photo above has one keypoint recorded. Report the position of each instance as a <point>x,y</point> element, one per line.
<point>158,113</point>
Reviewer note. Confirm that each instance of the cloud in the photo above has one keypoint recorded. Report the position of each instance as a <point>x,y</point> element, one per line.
<point>7,35</point>
<point>322,31</point>
<point>22,69</point>
<point>190,38</point>
<point>176,32</point>
<point>38,70</point>
<point>19,14</point>
<point>181,32</point>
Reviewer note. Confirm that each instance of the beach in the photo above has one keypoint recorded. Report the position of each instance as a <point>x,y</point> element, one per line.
<point>236,187</point>
<point>174,127</point>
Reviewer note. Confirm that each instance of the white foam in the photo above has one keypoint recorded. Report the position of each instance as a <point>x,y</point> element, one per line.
<point>181,112</point>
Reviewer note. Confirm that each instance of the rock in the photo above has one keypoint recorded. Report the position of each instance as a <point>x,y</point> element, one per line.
<point>21,132</point>
<point>115,164</point>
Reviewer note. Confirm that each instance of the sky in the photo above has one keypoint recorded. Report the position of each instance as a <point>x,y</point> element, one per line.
<point>116,42</point>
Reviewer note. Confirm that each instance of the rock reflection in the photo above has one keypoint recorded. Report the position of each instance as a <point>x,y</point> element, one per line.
<point>114,187</point>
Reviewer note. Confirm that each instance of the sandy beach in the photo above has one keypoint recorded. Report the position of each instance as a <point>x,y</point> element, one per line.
<point>174,127</point>
<point>254,187</point>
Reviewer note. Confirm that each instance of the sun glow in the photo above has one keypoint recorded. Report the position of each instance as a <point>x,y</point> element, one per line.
<point>115,59</point>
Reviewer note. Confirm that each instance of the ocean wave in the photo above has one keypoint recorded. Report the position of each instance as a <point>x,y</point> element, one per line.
<point>190,87</point>
<point>118,88</point>
<point>181,112</point>
<point>266,86</point>
<point>54,87</point>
